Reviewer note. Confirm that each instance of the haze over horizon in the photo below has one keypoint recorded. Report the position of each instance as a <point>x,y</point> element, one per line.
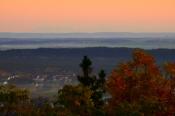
<point>64,16</point>
<point>81,40</point>
<point>89,35</point>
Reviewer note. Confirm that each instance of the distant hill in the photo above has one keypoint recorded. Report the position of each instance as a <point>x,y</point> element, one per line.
<point>45,70</point>
<point>154,42</point>
<point>32,60</point>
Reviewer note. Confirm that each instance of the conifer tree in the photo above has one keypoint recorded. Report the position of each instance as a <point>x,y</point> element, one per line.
<point>96,84</point>
<point>86,79</point>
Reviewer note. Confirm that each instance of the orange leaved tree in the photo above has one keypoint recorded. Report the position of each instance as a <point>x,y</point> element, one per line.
<point>138,87</point>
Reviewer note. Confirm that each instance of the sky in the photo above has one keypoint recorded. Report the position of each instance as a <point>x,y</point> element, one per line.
<point>62,16</point>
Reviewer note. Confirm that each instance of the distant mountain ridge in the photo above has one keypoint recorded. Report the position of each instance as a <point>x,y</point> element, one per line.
<point>69,58</point>
<point>34,43</point>
<point>87,35</point>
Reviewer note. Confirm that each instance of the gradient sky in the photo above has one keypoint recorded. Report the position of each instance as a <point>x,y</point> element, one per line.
<point>87,16</point>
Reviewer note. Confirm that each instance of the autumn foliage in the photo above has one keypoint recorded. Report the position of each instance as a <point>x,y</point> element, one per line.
<point>139,87</point>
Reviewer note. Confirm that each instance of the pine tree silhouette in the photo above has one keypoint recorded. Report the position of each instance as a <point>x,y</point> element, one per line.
<point>97,85</point>
<point>86,79</point>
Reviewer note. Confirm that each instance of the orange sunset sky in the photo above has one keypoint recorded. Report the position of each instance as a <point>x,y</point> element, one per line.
<point>87,16</point>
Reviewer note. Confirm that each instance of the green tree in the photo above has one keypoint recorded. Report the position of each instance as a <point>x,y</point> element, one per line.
<point>99,90</point>
<point>86,79</point>
<point>75,100</point>
<point>96,84</point>
<point>12,94</point>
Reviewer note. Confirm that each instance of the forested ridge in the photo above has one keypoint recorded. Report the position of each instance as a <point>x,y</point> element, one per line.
<point>136,87</point>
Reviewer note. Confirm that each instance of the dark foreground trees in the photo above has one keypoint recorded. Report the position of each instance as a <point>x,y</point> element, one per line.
<point>76,100</point>
<point>95,83</point>
<point>86,98</point>
<point>134,88</point>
